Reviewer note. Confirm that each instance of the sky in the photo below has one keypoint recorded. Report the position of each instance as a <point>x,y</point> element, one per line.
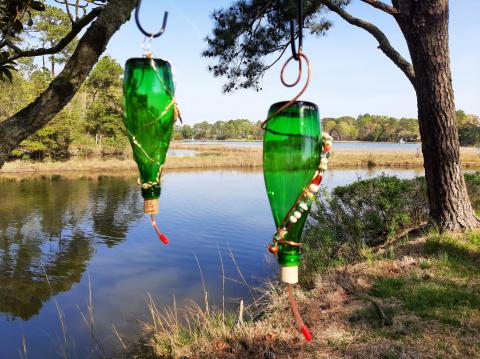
<point>350,76</point>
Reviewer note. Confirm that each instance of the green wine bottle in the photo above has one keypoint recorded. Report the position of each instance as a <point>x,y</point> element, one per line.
<point>292,148</point>
<point>150,112</point>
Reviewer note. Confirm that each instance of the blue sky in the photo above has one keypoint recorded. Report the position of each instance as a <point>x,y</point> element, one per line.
<point>350,75</point>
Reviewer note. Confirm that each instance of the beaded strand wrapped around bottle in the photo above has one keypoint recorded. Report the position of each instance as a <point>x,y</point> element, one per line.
<point>150,113</point>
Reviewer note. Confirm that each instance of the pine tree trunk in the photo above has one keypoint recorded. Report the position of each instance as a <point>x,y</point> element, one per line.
<point>426,30</point>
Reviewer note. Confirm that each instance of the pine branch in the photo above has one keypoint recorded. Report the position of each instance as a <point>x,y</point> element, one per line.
<point>76,29</point>
<point>382,6</point>
<point>383,43</point>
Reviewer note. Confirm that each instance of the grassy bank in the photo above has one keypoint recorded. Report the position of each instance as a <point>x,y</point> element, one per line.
<point>375,283</point>
<point>414,298</point>
<point>218,156</point>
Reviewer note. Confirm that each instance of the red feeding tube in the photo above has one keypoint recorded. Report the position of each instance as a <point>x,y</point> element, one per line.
<point>161,236</point>
<point>298,317</point>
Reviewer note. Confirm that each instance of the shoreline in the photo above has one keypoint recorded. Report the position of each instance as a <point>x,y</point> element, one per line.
<point>225,157</point>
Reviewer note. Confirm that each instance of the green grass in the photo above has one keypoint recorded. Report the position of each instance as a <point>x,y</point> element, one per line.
<point>446,288</point>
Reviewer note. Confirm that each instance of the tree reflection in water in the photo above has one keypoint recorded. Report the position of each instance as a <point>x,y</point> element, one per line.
<point>49,227</point>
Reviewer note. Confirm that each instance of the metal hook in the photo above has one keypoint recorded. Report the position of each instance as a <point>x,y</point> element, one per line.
<point>300,32</point>
<point>140,27</point>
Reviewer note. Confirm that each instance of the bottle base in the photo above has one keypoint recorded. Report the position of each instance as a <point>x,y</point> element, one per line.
<point>150,206</point>
<point>289,275</point>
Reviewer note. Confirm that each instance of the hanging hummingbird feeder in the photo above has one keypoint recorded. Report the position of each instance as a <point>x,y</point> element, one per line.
<point>150,113</point>
<point>295,155</point>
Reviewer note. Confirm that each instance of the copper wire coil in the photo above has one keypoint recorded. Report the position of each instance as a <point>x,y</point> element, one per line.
<point>301,56</point>
<point>290,243</point>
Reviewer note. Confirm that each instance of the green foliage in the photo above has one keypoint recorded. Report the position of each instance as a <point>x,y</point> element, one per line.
<point>14,16</point>
<point>468,128</point>
<point>52,25</point>
<point>105,75</point>
<point>353,218</point>
<point>250,30</point>
<point>90,124</point>
<point>27,22</point>
<point>367,212</point>
<point>105,111</point>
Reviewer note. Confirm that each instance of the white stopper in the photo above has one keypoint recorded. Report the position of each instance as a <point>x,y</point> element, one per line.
<point>313,188</point>
<point>297,214</point>
<point>293,219</point>
<point>289,275</point>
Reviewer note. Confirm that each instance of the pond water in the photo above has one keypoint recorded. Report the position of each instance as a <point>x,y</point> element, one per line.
<point>181,153</point>
<point>374,146</point>
<point>90,232</point>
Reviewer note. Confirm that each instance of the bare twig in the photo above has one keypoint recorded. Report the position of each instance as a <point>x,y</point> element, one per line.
<point>223,286</point>
<point>383,43</point>
<point>382,6</point>
<point>117,334</point>
<point>205,293</point>
<point>385,320</point>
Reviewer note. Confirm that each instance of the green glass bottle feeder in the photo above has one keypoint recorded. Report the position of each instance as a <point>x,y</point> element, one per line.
<point>295,156</point>
<point>292,148</point>
<point>150,113</point>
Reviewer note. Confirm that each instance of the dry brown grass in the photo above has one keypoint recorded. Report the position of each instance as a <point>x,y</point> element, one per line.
<point>394,158</point>
<point>217,156</point>
<point>342,314</point>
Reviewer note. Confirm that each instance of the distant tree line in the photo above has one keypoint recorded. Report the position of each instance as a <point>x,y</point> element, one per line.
<point>221,130</point>
<point>389,129</point>
<point>372,128</point>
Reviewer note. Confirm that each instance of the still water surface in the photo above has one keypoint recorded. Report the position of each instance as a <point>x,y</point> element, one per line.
<point>372,146</point>
<point>77,231</point>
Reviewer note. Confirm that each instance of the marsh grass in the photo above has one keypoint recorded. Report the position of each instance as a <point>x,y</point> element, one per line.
<point>222,156</point>
<point>197,330</point>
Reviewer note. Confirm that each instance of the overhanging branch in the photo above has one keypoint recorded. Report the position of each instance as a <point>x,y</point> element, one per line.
<point>382,6</point>
<point>76,28</point>
<point>383,43</point>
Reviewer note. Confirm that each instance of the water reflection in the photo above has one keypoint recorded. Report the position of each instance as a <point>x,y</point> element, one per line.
<point>47,230</point>
<point>78,230</point>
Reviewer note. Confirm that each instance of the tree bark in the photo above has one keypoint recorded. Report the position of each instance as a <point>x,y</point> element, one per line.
<point>62,89</point>
<point>425,26</point>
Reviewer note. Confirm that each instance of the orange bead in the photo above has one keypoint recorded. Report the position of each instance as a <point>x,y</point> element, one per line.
<point>317,180</point>
<point>273,249</point>
<point>327,147</point>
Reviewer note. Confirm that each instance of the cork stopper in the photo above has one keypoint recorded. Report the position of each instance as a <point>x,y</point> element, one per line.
<point>289,275</point>
<point>150,206</point>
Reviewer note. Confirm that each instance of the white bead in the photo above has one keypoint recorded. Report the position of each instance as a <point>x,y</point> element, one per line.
<point>293,219</point>
<point>323,167</point>
<point>297,214</point>
<point>313,188</point>
<point>303,206</point>
<point>309,195</point>
<point>324,161</point>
